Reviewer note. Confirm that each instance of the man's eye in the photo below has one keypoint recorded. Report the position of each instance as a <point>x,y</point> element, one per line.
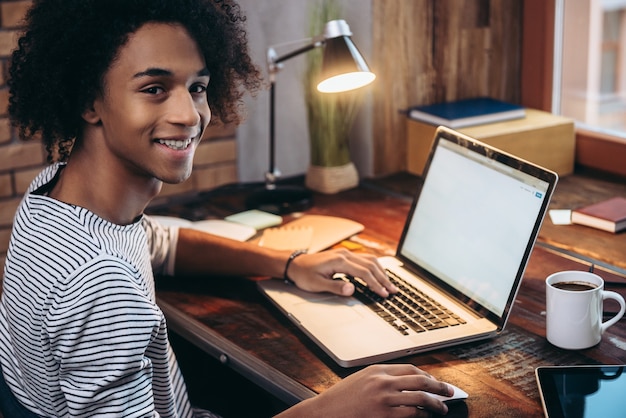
<point>197,88</point>
<point>153,90</point>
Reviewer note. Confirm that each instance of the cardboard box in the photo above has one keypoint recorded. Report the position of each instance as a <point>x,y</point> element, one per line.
<point>541,137</point>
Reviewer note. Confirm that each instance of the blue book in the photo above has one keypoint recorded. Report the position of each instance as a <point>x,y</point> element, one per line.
<point>466,112</point>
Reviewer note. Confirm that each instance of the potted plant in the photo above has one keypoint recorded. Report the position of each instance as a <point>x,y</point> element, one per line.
<point>330,118</point>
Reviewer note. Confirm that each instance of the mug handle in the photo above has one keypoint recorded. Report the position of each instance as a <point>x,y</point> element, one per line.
<point>615,296</point>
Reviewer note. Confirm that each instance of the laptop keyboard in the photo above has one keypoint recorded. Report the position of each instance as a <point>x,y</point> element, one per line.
<point>410,308</point>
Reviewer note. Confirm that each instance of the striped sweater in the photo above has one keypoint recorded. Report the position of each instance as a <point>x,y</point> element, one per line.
<point>80,332</point>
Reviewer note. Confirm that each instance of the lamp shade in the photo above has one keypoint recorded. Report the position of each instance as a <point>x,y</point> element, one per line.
<point>343,67</point>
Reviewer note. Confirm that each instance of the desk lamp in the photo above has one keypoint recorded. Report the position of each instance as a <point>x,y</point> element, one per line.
<point>343,69</point>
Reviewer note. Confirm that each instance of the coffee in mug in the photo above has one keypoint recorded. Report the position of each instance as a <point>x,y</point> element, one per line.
<point>575,286</point>
<point>574,305</point>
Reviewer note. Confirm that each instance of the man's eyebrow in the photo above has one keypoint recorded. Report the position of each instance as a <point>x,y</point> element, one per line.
<point>160,72</point>
<point>153,72</point>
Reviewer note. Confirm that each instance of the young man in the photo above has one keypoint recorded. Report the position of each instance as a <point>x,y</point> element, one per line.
<point>120,92</point>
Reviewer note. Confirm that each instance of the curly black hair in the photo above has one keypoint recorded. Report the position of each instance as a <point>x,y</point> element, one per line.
<point>58,67</point>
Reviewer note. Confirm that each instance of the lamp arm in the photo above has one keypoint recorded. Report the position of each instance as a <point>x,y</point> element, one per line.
<point>332,29</point>
<point>274,61</point>
<point>299,51</point>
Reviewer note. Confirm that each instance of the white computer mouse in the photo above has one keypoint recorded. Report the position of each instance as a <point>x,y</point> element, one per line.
<point>459,395</point>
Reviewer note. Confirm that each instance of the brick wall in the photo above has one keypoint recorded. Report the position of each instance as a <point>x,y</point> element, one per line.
<point>215,163</point>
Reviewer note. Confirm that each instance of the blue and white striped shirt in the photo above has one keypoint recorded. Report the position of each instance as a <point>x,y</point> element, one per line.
<point>80,332</point>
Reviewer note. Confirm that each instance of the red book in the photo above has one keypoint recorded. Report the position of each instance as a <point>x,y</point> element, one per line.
<point>608,215</point>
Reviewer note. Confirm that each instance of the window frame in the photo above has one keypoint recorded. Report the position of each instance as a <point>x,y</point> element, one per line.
<point>595,150</point>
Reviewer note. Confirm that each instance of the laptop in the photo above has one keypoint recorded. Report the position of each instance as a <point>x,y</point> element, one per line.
<point>465,245</point>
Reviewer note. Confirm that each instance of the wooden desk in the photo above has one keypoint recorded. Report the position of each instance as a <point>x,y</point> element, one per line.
<point>598,246</point>
<point>231,321</point>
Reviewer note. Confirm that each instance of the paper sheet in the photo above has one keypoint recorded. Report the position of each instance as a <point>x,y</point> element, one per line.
<point>560,216</point>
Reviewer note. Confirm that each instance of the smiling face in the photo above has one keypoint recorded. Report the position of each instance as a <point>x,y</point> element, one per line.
<point>154,107</point>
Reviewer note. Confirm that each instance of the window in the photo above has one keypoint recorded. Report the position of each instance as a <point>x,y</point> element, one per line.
<point>590,64</point>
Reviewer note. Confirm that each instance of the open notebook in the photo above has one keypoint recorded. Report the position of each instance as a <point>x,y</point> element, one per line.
<point>465,245</point>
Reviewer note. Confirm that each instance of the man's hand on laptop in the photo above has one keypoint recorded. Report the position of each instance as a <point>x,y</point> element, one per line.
<point>315,272</point>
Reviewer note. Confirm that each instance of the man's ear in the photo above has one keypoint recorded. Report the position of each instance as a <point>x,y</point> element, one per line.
<point>90,115</point>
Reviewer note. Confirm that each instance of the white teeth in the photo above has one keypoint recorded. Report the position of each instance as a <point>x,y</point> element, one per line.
<point>175,144</point>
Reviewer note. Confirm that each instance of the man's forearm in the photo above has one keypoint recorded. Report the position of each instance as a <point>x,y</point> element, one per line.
<point>198,252</point>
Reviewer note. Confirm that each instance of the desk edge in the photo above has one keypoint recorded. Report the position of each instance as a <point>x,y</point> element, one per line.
<point>278,384</point>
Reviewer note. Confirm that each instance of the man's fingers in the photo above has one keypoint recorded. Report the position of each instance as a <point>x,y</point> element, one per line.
<point>337,287</point>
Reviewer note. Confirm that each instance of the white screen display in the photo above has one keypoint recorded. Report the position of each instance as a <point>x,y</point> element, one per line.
<point>473,222</point>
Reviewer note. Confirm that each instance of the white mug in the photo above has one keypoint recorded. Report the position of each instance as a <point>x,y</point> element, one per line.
<point>574,304</point>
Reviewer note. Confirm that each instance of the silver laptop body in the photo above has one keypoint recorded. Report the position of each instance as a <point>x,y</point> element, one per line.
<point>466,242</point>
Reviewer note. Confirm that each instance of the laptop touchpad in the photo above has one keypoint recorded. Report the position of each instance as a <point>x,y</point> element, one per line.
<point>332,309</point>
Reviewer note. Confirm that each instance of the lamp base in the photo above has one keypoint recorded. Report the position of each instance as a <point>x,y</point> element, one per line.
<point>280,200</point>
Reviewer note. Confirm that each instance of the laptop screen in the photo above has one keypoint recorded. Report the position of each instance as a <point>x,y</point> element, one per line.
<point>474,221</point>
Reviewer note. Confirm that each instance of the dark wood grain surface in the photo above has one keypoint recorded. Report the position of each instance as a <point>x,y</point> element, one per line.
<point>230,320</point>
<point>498,373</point>
<point>432,51</point>
<point>573,192</point>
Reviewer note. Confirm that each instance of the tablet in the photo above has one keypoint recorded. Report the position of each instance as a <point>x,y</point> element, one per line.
<point>590,391</point>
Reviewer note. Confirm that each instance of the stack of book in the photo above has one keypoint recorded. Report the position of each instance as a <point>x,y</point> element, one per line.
<point>466,112</point>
